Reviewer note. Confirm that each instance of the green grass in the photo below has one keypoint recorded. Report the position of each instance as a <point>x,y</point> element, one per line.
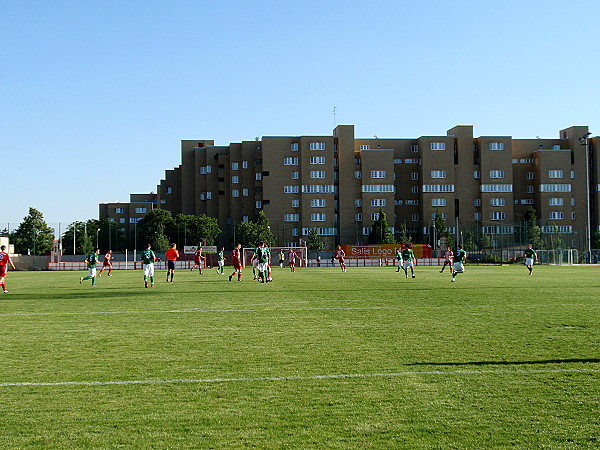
<point>497,359</point>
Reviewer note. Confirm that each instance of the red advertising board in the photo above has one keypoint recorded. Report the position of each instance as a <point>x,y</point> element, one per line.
<point>383,251</point>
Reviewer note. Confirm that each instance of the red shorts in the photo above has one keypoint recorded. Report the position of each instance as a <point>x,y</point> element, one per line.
<point>237,264</point>
<point>197,261</point>
<point>341,260</point>
<point>106,264</point>
<point>2,271</point>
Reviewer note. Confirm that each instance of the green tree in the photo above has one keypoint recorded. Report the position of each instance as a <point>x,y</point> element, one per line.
<point>195,229</point>
<point>380,231</point>
<point>403,236</point>
<point>534,232</point>
<point>153,228</point>
<point>314,242</point>
<point>246,234</point>
<point>33,234</point>
<point>469,240</point>
<point>264,230</point>
<point>83,236</point>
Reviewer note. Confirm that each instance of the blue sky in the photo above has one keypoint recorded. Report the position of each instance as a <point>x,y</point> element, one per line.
<point>96,95</point>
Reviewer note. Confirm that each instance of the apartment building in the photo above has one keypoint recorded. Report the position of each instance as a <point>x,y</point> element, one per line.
<point>337,184</point>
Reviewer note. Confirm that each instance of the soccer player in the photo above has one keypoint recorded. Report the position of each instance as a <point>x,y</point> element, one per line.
<point>408,261</point>
<point>172,254</point>
<point>263,253</point>
<point>106,263</point>
<point>459,258</point>
<point>530,255</point>
<point>4,262</point>
<point>399,258</point>
<point>198,259</point>
<point>340,255</point>
<point>221,261</point>
<point>148,257</point>
<point>236,259</point>
<point>292,255</point>
<point>281,258</point>
<point>91,262</point>
<point>254,261</point>
<point>449,256</point>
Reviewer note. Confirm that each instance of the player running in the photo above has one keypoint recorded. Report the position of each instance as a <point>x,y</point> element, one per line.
<point>459,258</point>
<point>221,261</point>
<point>198,260</point>
<point>236,259</point>
<point>449,256</point>
<point>107,263</point>
<point>91,261</point>
<point>292,255</point>
<point>281,258</point>
<point>4,262</point>
<point>408,261</point>
<point>340,255</point>
<point>172,254</point>
<point>530,257</point>
<point>148,257</point>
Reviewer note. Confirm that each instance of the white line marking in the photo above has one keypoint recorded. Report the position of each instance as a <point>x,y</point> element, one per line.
<point>300,378</point>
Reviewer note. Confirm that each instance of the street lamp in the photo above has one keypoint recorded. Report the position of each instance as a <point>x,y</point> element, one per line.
<point>97,231</point>
<point>584,141</point>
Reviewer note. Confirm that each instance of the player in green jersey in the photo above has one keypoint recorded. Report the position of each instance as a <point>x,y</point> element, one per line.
<point>148,257</point>
<point>530,257</point>
<point>91,261</point>
<point>399,258</point>
<point>263,252</point>
<point>221,261</point>
<point>408,260</point>
<point>460,256</point>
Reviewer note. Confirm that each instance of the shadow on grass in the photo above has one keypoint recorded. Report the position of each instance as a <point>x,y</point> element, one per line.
<point>509,363</point>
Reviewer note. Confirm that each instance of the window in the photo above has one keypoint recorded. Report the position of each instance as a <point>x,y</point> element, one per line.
<point>497,202</point>
<point>438,146</point>
<point>357,175</point>
<point>496,173</point>
<point>555,174</point>
<point>477,217</point>
<point>291,217</point>
<point>294,232</point>
<point>244,218</point>
<point>290,161</point>
<point>358,217</point>
<point>572,174</point>
<point>411,161</point>
<point>134,219</point>
<point>572,201</point>
<point>140,210</point>
<point>378,202</point>
<point>377,173</point>
<point>365,147</point>
<point>317,174</point>
<point>294,147</point>
<point>414,176</point>
<point>366,231</point>
<point>438,174</point>
<point>245,192</point>
<point>414,148</point>
<point>414,190</point>
<point>358,202</point>
<point>397,160</point>
<point>496,146</point>
<point>295,203</point>
<point>476,174</point>
<point>203,170</point>
<point>169,190</point>
<point>438,188</point>
<point>317,160</point>
<point>119,210</point>
<point>496,188</point>
<point>258,204</point>
<point>530,175</point>
<point>318,203</point>
<point>530,189</point>
<point>234,166</point>
<point>556,215</point>
<point>235,180</point>
<point>295,175</point>
<point>318,217</point>
<point>378,188</point>
<point>318,188</point>
<point>477,202</point>
<point>556,201</point>
<point>573,215</point>
<point>555,188</point>
<point>244,164</point>
<point>122,220</point>
<point>205,195</point>
<point>258,176</point>
<point>414,217</point>
<point>435,202</point>
<point>317,146</point>
<point>398,203</point>
<point>443,215</point>
<point>497,216</point>
<point>291,189</point>
<point>374,216</point>
<point>235,192</point>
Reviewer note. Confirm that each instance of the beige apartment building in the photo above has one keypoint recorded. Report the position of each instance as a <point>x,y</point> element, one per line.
<point>337,184</point>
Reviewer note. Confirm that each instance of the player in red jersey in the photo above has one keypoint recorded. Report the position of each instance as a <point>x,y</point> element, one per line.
<point>236,258</point>
<point>448,261</point>
<point>4,262</point>
<point>198,260</point>
<point>340,255</point>
<point>292,255</point>
<point>106,263</point>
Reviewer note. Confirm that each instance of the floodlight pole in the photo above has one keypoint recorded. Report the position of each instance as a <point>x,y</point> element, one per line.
<point>584,141</point>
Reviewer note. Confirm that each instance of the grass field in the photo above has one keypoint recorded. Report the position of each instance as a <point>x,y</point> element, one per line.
<point>316,359</point>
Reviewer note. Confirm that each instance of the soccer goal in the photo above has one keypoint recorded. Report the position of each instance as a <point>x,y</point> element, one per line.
<point>561,257</point>
<point>301,261</point>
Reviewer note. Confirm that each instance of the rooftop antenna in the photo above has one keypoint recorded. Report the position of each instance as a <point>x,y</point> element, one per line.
<point>334,111</point>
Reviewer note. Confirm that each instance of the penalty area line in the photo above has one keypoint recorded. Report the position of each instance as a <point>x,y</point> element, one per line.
<point>300,378</point>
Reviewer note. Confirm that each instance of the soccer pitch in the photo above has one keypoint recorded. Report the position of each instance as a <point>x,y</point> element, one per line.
<point>316,359</point>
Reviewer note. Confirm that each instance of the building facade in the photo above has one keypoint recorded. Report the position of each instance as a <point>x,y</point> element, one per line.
<point>337,184</point>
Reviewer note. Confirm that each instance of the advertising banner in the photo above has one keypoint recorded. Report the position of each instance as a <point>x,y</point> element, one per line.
<point>383,251</point>
<point>191,249</point>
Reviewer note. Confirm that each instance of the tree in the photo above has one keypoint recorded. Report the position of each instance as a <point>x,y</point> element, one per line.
<point>82,237</point>
<point>403,236</point>
<point>534,232</point>
<point>314,243</point>
<point>153,228</point>
<point>246,234</point>
<point>197,229</point>
<point>264,230</point>
<point>380,231</point>
<point>250,234</point>
<point>33,234</point>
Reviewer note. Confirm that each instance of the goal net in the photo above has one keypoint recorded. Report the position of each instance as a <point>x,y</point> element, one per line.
<point>275,252</point>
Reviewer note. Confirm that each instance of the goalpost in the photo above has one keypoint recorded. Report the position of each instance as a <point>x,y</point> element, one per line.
<point>302,253</point>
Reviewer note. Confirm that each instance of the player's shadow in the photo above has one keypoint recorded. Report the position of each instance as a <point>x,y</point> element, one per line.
<point>509,363</point>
